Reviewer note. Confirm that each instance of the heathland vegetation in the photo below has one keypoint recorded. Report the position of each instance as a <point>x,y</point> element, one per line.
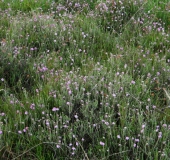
<point>84,79</point>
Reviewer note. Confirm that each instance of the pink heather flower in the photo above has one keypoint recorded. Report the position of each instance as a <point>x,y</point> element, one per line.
<point>68,103</point>
<point>65,126</point>
<point>160,135</point>
<point>12,102</point>
<point>32,106</point>
<point>114,95</point>
<point>133,82</point>
<point>102,143</point>
<point>158,73</point>
<point>55,109</point>
<point>58,146</point>
<point>143,125</point>
<point>70,144</point>
<point>77,5</point>
<point>69,92</point>
<point>55,126</point>
<point>0,132</point>
<point>73,148</point>
<point>127,138</point>
<point>76,116</point>
<point>43,69</point>
<point>113,123</point>
<point>24,130</point>
<point>47,123</point>
<point>20,132</point>
<point>164,125</point>
<point>2,114</point>
<point>107,123</point>
<point>154,106</point>
<point>118,136</point>
<point>117,73</point>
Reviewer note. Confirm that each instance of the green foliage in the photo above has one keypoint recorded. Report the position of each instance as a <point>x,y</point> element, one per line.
<point>4,24</point>
<point>160,9</point>
<point>84,79</point>
<point>25,5</point>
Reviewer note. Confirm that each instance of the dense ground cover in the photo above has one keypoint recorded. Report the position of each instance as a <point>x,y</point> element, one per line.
<point>85,79</point>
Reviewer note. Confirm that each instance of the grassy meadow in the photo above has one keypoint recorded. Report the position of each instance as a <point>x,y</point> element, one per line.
<point>84,79</point>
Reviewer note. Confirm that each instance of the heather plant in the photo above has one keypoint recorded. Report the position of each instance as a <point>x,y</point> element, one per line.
<point>84,79</point>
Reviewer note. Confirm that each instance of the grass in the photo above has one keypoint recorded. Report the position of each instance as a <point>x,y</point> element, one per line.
<point>84,80</point>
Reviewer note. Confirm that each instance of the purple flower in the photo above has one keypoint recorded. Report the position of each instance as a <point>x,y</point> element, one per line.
<point>133,82</point>
<point>32,106</point>
<point>114,95</point>
<point>118,136</point>
<point>154,106</point>
<point>127,138</point>
<point>76,116</point>
<point>69,92</point>
<point>102,143</point>
<point>164,125</point>
<point>58,146</point>
<point>55,109</point>
<point>160,135</point>
<point>73,148</point>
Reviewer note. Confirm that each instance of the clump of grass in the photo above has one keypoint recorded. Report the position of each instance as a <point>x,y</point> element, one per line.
<point>4,24</point>
<point>35,36</point>
<point>84,80</point>
<point>18,75</point>
<point>25,6</point>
